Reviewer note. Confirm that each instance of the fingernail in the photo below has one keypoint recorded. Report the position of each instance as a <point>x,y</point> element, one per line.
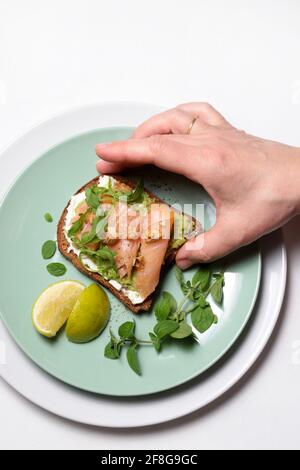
<point>183,263</point>
<point>102,145</point>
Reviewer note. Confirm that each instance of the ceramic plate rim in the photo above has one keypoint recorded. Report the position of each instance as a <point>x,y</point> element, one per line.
<point>176,384</point>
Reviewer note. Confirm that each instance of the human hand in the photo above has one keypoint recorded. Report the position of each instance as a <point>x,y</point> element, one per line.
<point>254,183</point>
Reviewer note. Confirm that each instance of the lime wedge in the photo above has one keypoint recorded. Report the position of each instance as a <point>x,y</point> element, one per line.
<point>53,307</point>
<point>89,315</point>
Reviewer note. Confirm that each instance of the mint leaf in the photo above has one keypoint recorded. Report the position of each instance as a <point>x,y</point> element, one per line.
<point>217,290</point>
<point>56,269</point>
<point>113,348</point>
<point>203,318</point>
<point>202,278</point>
<point>92,198</point>
<point>138,192</point>
<point>106,254</point>
<point>132,359</point>
<point>48,217</point>
<point>76,226</point>
<point>184,331</point>
<point>180,278</point>
<point>111,352</point>
<point>126,331</point>
<point>89,237</point>
<point>165,328</point>
<point>155,341</point>
<point>48,249</point>
<point>165,306</point>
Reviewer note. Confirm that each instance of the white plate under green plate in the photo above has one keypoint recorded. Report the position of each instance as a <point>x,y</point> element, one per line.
<point>46,186</point>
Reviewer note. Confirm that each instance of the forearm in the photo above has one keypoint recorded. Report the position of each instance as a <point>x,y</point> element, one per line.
<point>296,180</point>
<point>291,179</point>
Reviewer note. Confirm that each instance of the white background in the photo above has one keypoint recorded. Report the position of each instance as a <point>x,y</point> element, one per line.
<point>243,57</point>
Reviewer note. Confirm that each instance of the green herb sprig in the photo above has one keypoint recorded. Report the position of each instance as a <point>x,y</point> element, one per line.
<point>126,339</point>
<point>171,317</point>
<point>135,195</point>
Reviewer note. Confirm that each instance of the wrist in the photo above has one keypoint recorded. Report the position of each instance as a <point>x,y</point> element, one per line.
<point>295,179</point>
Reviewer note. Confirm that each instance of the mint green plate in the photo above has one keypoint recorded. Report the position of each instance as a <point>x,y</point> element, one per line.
<point>46,186</point>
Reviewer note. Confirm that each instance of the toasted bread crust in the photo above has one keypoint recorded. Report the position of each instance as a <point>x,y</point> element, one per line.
<point>63,246</point>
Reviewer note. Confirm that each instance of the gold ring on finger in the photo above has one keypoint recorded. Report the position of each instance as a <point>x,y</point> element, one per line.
<point>192,125</point>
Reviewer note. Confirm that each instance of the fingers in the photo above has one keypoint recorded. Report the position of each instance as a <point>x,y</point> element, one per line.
<point>109,168</point>
<point>205,248</point>
<point>179,119</point>
<point>157,150</point>
<point>206,113</point>
<point>173,121</point>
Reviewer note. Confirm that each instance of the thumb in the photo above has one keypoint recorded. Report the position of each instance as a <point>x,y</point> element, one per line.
<point>204,248</point>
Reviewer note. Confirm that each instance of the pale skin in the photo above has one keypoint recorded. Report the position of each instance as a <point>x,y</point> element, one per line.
<point>254,183</point>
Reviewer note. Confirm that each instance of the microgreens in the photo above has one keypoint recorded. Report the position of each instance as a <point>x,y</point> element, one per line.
<point>172,317</point>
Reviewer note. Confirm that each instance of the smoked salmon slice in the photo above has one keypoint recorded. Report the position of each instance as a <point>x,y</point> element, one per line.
<point>133,233</point>
<point>123,223</point>
<point>126,254</point>
<point>154,245</point>
<point>123,235</point>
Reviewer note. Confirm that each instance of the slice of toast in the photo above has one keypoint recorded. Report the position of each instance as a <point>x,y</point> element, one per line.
<point>63,246</point>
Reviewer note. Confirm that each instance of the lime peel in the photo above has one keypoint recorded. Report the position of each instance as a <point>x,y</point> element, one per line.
<point>54,305</point>
<point>89,316</point>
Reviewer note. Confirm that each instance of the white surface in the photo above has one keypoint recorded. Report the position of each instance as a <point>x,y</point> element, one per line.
<point>242,57</point>
<point>102,411</point>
